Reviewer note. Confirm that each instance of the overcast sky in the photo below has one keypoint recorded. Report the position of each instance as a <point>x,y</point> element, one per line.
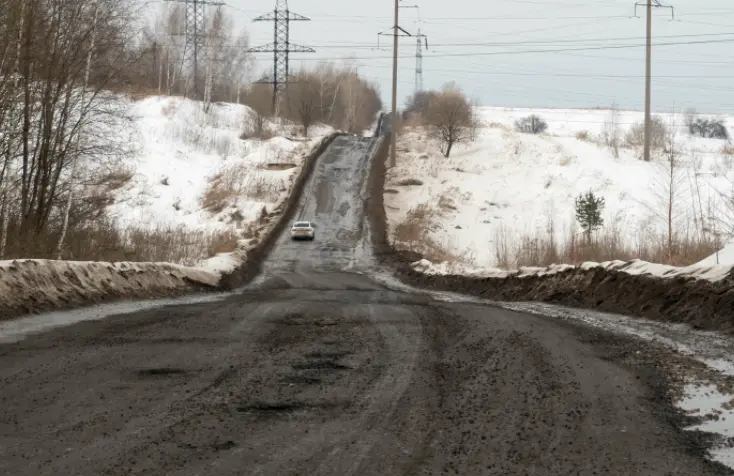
<point>532,53</point>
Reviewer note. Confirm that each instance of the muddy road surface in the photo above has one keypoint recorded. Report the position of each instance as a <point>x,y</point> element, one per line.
<point>317,369</point>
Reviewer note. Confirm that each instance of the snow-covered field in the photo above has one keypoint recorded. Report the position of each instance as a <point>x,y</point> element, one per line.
<point>512,184</point>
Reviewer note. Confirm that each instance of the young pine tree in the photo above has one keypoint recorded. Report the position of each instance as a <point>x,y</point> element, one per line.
<point>589,208</point>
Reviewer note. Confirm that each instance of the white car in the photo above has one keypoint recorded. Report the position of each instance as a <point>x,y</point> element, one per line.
<point>303,230</point>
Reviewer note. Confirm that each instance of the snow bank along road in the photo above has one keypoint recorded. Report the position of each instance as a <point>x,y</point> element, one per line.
<point>316,369</point>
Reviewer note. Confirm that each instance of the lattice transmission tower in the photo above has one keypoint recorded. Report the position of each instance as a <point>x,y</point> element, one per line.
<point>281,49</point>
<point>194,36</point>
<point>421,39</point>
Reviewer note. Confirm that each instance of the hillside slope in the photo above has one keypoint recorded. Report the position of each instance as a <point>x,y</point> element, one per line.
<point>509,188</point>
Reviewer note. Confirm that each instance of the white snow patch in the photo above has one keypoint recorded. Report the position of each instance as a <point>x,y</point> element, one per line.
<point>717,409</point>
<point>723,257</point>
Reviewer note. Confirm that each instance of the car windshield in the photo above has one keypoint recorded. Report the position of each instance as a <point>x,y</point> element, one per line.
<point>302,224</point>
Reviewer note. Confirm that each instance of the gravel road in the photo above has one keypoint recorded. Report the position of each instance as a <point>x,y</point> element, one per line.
<point>316,369</point>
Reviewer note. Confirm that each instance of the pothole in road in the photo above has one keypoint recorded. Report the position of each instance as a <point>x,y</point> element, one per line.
<point>300,380</point>
<point>275,408</point>
<point>333,355</point>
<point>320,365</point>
<point>160,372</point>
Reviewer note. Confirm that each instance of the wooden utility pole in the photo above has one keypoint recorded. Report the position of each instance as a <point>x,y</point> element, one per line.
<point>649,5</point>
<point>648,81</point>
<point>393,132</point>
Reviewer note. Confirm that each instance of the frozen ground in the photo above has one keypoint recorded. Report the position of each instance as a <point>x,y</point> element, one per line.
<point>700,363</point>
<point>511,184</point>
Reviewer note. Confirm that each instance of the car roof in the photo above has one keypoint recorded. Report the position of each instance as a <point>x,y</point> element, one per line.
<point>302,223</point>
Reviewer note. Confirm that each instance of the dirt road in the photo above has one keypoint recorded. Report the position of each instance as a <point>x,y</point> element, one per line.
<point>317,369</point>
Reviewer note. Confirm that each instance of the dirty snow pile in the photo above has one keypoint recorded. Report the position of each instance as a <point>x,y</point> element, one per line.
<point>507,185</point>
<point>39,285</point>
<point>635,267</point>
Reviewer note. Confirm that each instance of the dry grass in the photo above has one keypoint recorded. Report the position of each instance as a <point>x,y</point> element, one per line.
<point>499,125</point>
<point>239,181</point>
<point>727,150</point>
<point>584,136</point>
<point>544,248</point>
<point>262,188</point>
<point>102,241</point>
<point>176,245</point>
<point>414,234</point>
<point>115,178</point>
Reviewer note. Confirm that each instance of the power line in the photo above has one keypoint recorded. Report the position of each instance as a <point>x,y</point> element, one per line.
<point>515,52</point>
<point>533,42</point>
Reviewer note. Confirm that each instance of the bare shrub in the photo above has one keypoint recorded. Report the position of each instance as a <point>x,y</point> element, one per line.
<point>216,198</point>
<point>532,124</point>
<point>584,136</point>
<point>635,137</point>
<point>414,233</point>
<point>261,188</point>
<point>708,128</point>
<point>223,188</point>
<point>116,178</point>
<point>611,134</point>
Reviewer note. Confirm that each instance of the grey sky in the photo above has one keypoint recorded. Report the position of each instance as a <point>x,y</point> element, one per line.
<point>505,73</point>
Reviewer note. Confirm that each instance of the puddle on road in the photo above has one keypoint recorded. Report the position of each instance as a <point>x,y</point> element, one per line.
<point>18,329</point>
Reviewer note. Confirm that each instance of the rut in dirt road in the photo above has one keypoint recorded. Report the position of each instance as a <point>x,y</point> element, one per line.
<point>317,369</point>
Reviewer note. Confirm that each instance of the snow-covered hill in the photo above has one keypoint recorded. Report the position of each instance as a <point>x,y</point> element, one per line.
<point>507,185</point>
<point>196,169</point>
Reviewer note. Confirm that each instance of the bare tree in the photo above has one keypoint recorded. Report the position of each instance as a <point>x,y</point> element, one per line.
<point>303,100</point>
<point>75,157</point>
<point>258,98</point>
<point>450,118</point>
<point>611,133</point>
<point>667,187</point>
<point>52,101</point>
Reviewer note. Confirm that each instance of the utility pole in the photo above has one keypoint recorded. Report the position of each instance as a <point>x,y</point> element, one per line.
<point>195,36</point>
<point>419,61</point>
<point>649,5</point>
<point>393,133</point>
<point>281,49</point>
<point>396,29</point>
